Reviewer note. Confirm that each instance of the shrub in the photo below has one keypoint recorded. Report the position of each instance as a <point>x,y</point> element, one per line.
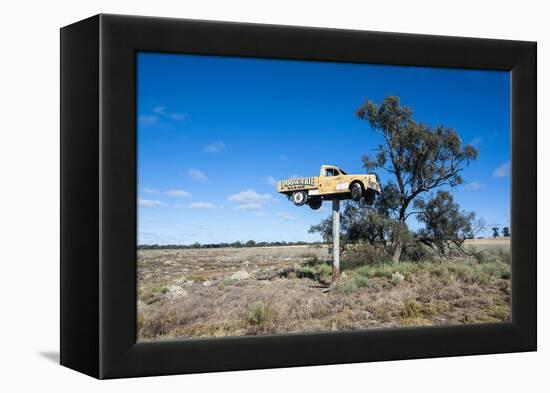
<point>496,269</point>
<point>504,256</point>
<point>437,269</point>
<point>462,271</point>
<point>226,282</point>
<point>382,270</point>
<point>351,283</point>
<point>479,273</point>
<point>361,281</point>
<point>501,312</point>
<point>411,309</point>
<point>415,251</point>
<point>396,278</point>
<point>325,270</point>
<point>484,256</point>
<point>305,272</point>
<point>362,255</point>
<point>197,277</point>
<point>345,286</point>
<point>259,313</point>
<point>321,272</point>
<point>313,261</point>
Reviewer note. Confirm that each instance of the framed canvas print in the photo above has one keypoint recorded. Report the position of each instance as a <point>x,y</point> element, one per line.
<point>239,196</point>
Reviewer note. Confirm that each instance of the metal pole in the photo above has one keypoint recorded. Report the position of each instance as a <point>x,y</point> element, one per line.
<point>335,239</point>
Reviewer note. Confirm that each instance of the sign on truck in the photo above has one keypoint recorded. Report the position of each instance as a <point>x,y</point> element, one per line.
<point>332,183</point>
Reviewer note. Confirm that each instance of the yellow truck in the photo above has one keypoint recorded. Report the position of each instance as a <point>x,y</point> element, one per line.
<point>331,183</point>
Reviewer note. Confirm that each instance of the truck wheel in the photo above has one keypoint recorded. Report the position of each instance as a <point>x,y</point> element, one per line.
<point>315,204</point>
<point>356,192</point>
<point>299,198</point>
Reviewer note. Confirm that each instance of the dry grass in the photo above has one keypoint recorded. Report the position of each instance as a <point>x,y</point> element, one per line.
<point>254,291</point>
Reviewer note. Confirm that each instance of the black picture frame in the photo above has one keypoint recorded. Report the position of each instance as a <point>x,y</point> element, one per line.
<point>98,195</point>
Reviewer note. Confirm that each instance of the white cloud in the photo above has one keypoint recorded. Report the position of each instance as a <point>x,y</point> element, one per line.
<point>149,203</point>
<point>473,186</point>
<point>202,205</point>
<point>260,213</point>
<point>283,157</point>
<point>286,217</point>
<point>147,120</point>
<point>249,196</point>
<point>161,110</point>
<point>502,170</point>
<point>197,175</point>
<point>214,147</point>
<point>271,180</point>
<point>476,141</point>
<point>178,193</point>
<point>249,206</point>
<point>151,191</point>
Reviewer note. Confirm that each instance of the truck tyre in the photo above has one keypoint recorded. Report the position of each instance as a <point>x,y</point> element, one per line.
<point>356,192</point>
<point>315,204</point>
<point>299,198</point>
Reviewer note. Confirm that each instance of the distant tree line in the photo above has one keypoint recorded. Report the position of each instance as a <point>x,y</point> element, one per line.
<point>237,244</point>
<point>505,232</point>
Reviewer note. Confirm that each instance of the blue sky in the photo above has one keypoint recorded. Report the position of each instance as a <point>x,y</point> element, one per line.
<point>214,133</point>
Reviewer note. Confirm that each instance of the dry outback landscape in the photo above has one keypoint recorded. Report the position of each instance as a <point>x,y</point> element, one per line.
<point>196,293</point>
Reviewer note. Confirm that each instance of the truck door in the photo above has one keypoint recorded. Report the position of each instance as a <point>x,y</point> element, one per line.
<point>340,181</point>
<point>327,181</point>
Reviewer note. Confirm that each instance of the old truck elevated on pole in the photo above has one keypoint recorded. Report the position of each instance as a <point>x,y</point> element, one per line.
<point>332,183</point>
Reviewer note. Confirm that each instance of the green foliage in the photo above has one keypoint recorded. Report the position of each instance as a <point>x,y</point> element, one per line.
<point>324,228</point>
<point>369,224</point>
<point>321,272</point>
<point>484,256</point>
<point>361,281</point>
<point>464,270</point>
<point>351,283</point>
<point>421,158</point>
<point>362,254</point>
<point>415,251</point>
<point>411,309</point>
<point>445,225</point>
<point>504,256</point>
<point>313,260</point>
<point>495,231</point>
<point>345,287</point>
<point>388,270</point>
<point>197,277</point>
<point>496,269</point>
<point>380,270</point>
<point>506,232</point>
<point>417,157</point>
<point>396,278</point>
<point>259,313</point>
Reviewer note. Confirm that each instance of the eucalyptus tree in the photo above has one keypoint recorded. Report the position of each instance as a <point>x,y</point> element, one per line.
<point>418,159</point>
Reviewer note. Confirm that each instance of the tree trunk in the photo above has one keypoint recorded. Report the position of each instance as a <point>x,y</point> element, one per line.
<point>397,251</point>
<point>399,242</point>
